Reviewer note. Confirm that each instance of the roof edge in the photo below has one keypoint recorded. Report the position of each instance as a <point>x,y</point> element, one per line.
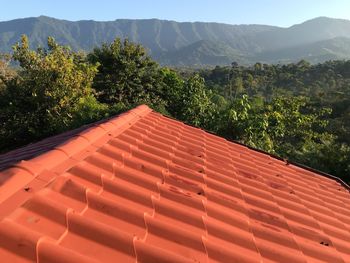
<point>18,175</point>
<point>92,135</point>
<point>287,161</point>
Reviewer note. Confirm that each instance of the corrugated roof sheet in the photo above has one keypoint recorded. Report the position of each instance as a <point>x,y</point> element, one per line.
<point>146,188</point>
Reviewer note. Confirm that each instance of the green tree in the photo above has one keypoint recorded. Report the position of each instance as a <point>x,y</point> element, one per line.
<point>248,123</point>
<point>5,71</point>
<point>294,123</point>
<point>49,91</point>
<point>126,74</point>
<point>284,126</point>
<point>196,107</point>
<point>172,91</point>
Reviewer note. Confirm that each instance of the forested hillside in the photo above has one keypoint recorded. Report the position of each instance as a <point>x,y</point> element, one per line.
<point>156,35</point>
<point>193,44</point>
<point>297,111</point>
<point>303,110</point>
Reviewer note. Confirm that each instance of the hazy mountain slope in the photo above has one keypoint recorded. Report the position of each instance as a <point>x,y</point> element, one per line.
<point>331,49</point>
<point>314,30</point>
<point>202,52</point>
<point>157,35</point>
<point>188,43</point>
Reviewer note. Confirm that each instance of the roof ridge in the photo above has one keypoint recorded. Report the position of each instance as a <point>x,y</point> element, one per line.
<point>19,174</point>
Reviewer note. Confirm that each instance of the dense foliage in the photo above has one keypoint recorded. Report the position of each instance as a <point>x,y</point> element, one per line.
<point>125,74</point>
<point>297,111</point>
<point>47,95</point>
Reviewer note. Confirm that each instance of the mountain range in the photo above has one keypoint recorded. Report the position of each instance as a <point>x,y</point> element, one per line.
<point>193,43</point>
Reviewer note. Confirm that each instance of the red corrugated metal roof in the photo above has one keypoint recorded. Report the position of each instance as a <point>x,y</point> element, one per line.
<point>143,187</point>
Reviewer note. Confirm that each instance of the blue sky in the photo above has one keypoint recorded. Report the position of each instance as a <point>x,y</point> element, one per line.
<point>272,12</point>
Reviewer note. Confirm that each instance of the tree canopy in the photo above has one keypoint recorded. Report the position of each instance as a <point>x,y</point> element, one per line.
<point>47,95</point>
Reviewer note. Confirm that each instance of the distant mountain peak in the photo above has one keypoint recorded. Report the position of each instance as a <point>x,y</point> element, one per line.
<point>322,20</point>
<point>186,43</point>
